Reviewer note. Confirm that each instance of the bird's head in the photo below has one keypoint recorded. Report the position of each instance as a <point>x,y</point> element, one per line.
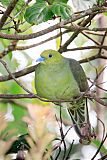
<point>50,57</point>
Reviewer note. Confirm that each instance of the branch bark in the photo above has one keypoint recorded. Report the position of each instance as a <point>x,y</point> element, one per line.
<point>32,69</point>
<point>22,96</point>
<point>75,34</point>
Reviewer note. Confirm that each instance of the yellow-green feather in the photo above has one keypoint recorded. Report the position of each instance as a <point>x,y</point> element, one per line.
<point>54,79</point>
<point>60,78</point>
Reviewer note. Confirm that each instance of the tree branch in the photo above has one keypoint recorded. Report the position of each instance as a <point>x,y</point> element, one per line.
<point>102,41</point>
<point>75,34</point>
<point>88,47</point>
<point>7,12</point>
<point>10,48</point>
<point>88,37</point>
<point>32,68</point>
<point>40,43</point>
<point>92,58</point>
<point>73,18</point>
<point>21,96</point>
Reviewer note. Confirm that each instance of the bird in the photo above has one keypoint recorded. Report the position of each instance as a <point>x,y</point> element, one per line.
<point>62,80</point>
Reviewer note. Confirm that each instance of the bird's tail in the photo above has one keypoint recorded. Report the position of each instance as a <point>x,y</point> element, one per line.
<point>79,114</point>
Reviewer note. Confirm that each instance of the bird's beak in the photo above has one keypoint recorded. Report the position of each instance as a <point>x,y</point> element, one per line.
<point>40,59</point>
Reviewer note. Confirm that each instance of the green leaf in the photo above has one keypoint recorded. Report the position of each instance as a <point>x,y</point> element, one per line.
<point>5,2</point>
<point>105,13</point>
<point>10,55</point>
<point>18,125</point>
<point>100,1</point>
<point>39,12</point>
<point>63,1</point>
<point>17,8</point>
<point>97,143</point>
<point>61,9</point>
<point>39,1</point>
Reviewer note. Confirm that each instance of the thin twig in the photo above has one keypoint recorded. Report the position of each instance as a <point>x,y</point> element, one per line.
<point>22,96</point>
<point>75,34</point>
<point>69,152</point>
<point>11,47</point>
<point>90,38</point>
<point>99,52</point>
<point>103,127</point>
<point>95,33</point>
<point>92,58</point>
<point>42,42</point>
<point>103,157</point>
<point>87,47</point>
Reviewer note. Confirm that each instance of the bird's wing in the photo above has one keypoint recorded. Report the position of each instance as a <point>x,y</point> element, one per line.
<point>78,74</point>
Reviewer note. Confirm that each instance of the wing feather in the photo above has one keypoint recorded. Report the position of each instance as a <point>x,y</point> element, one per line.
<point>78,74</point>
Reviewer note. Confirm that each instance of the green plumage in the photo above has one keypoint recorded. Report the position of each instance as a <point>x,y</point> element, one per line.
<point>60,78</point>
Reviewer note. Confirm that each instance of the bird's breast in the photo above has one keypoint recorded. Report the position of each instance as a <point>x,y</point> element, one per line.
<point>56,84</point>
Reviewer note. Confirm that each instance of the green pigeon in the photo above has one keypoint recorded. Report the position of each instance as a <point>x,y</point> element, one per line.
<point>62,80</point>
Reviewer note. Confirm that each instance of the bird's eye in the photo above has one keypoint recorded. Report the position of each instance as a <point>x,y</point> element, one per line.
<point>50,55</point>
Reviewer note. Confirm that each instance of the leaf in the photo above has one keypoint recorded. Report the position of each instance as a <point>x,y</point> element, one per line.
<point>39,1</point>
<point>100,1</point>
<point>97,143</point>
<point>17,8</point>
<point>10,55</point>
<point>61,9</point>
<point>5,2</point>
<point>18,125</point>
<point>63,1</point>
<point>39,12</point>
<point>52,1</point>
<point>105,13</point>
<point>28,58</point>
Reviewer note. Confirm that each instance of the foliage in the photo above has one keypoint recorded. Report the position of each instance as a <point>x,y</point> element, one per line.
<point>41,12</point>
<point>74,29</point>
<point>19,7</point>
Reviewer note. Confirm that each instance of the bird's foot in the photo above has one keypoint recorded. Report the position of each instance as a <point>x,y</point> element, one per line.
<point>87,134</point>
